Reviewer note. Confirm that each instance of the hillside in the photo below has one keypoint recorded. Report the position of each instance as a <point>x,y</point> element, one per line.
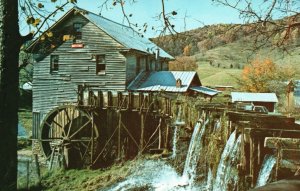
<point>221,51</point>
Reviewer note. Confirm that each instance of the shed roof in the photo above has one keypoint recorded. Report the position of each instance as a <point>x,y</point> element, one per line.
<point>163,81</point>
<point>205,90</point>
<point>253,97</point>
<point>125,35</point>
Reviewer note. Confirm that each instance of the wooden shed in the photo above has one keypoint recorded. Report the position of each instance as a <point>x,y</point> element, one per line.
<point>268,100</point>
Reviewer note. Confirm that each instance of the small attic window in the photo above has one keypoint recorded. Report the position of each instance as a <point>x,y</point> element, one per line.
<point>54,59</point>
<point>100,64</point>
<point>78,32</point>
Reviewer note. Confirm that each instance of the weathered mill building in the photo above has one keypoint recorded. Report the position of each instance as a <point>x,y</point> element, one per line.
<point>89,72</point>
<point>83,49</point>
<point>88,50</point>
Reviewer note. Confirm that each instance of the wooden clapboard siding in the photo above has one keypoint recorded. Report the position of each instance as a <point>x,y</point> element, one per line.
<point>130,67</point>
<point>76,68</point>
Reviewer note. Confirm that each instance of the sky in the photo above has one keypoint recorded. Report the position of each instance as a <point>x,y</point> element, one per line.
<point>191,13</point>
<point>196,13</point>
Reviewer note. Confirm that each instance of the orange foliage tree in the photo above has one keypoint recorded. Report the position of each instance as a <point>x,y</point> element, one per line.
<point>183,63</point>
<point>264,76</point>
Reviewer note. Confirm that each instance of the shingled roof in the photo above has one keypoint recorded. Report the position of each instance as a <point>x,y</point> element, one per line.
<point>123,34</point>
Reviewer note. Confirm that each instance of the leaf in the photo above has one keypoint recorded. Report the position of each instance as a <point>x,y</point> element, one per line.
<point>30,20</point>
<point>36,22</point>
<point>40,5</point>
<point>114,3</point>
<point>49,34</point>
<point>73,1</point>
<point>42,38</point>
<point>174,13</point>
<point>53,1</point>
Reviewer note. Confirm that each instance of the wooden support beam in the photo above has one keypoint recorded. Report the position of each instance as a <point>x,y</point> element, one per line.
<point>258,152</point>
<point>142,132</point>
<point>243,157</point>
<point>109,99</point>
<point>119,135</point>
<point>262,120</point>
<point>100,99</point>
<point>167,136</point>
<point>284,143</point>
<point>292,155</point>
<point>266,132</point>
<point>159,134</point>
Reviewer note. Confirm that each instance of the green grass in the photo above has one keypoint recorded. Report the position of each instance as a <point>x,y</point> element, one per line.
<point>211,76</point>
<point>223,64</point>
<point>85,179</point>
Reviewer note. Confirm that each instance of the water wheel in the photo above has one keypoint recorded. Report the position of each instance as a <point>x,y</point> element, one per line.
<point>70,132</point>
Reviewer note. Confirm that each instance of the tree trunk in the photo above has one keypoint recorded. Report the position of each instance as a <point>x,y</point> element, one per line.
<point>9,80</point>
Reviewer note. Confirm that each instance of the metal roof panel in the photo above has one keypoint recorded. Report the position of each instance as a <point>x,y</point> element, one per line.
<point>205,90</point>
<point>253,97</point>
<point>162,80</point>
<point>125,35</point>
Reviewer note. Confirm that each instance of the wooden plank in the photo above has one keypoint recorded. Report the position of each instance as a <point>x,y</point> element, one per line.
<point>291,155</point>
<point>267,132</point>
<point>277,121</point>
<point>283,143</point>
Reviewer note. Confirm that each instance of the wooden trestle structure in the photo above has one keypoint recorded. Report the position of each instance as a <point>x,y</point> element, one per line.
<point>261,134</point>
<point>105,126</point>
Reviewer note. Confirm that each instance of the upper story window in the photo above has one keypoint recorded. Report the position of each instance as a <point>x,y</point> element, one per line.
<point>78,32</point>
<point>100,64</point>
<point>54,59</point>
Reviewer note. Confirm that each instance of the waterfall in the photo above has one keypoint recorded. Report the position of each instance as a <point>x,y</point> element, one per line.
<point>266,169</point>
<point>159,176</point>
<point>179,121</point>
<point>209,180</point>
<point>174,143</point>
<point>193,154</point>
<point>227,175</point>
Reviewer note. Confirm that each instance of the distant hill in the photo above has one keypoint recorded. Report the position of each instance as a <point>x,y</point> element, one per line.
<point>222,50</point>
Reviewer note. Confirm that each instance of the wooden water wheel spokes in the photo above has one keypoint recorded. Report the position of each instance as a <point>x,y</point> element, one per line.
<point>71,131</point>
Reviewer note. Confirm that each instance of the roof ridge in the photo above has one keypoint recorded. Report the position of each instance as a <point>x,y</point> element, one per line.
<point>89,12</point>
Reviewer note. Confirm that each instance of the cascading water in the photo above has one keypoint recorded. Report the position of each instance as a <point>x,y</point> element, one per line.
<point>192,157</point>
<point>209,180</point>
<point>227,175</point>
<point>174,149</point>
<point>159,176</point>
<point>265,171</point>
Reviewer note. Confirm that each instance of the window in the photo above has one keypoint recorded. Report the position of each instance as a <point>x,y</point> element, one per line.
<point>100,64</point>
<point>78,32</point>
<point>54,63</point>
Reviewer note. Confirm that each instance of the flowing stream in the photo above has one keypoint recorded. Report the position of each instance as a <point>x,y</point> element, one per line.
<point>227,175</point>
<point>266,170</point>
<point>159,176</point>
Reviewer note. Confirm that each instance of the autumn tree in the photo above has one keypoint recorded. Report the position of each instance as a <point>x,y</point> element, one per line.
<point>183,63</point>
<point>262,17</point>
<point>264,76</point>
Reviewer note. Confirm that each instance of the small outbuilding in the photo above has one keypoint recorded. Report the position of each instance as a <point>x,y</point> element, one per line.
<point>186,82</point>
<point>268,100</point>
